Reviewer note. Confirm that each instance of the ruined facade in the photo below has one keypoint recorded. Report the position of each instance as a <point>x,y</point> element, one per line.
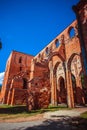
<point>14,89</point>
<point>57,74</point>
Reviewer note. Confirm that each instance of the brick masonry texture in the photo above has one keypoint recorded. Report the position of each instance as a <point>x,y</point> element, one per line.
<point>56,75</point>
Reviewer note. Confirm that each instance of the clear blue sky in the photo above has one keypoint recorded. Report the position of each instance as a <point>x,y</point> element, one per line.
<point>29,25</point>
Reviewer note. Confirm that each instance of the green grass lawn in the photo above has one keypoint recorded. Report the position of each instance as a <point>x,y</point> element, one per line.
<point>12,112</point>
<point>84,115</point>
<point>7,111</point>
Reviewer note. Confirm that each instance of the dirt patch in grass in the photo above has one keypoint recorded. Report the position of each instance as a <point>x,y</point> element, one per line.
<point>13,118</point>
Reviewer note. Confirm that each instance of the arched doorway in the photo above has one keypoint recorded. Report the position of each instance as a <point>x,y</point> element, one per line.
<point>75,66</point>
<point>74,88</point>
<point>62,92</point>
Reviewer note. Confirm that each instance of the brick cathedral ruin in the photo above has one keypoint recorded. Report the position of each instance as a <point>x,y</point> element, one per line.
<point>56,75</point>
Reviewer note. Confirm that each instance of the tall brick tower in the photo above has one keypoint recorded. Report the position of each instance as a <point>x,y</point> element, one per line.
<point>14,88</point>
<point>81,14</point>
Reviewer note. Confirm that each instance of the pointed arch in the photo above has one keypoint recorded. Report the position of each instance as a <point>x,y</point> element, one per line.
<point>71,31</point>
<point>70,59</point>
<point>55,66</point>
<point>56,54</point>
<point>62,90</point>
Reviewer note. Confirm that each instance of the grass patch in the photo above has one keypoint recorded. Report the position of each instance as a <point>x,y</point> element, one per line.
<point>12,112</point>
<point>9,106</point>
<point>84,115</point>
<point>7,109</point>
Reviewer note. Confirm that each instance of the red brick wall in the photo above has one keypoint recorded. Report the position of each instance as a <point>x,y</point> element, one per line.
<point>48,67</point>
<point>15,69</point>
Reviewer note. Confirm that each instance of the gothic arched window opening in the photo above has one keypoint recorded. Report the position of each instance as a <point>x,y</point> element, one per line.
<point>47,51</point>
<point>57,43</point>
<point>72,32</point>
<point>20,60</point>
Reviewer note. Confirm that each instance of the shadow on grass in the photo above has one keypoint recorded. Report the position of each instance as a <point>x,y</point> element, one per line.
<point>23,109</point>
<point>13,110</point>
<point>65,123</point>
<point>20,109</point>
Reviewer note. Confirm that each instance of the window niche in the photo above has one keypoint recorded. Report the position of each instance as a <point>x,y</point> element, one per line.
<point>20,60</point>
<point>20,68</point>
<point>39,56</point>
<point>71,32</point>
<point>24,83</point>
<point>57,43</point>
<point>47,51</point>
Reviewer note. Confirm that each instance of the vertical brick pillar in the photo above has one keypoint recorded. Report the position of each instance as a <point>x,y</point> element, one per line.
<point>80,94</point>
<point>70,98</point>
<point>13,98</point>
<point>55,87</point>
<point>5,93</point>
<point>52,87</point>
<point>52,84</point>
<point>9,96</point>
<point>81,14</point>
<point>57,91</point>
<point>10,92</point>
<point>32,69</point>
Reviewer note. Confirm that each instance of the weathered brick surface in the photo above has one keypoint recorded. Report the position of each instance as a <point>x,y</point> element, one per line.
<point>55,75</point>
<point>16,76</point>
<point>39,95</point>
<point>19,97</point>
